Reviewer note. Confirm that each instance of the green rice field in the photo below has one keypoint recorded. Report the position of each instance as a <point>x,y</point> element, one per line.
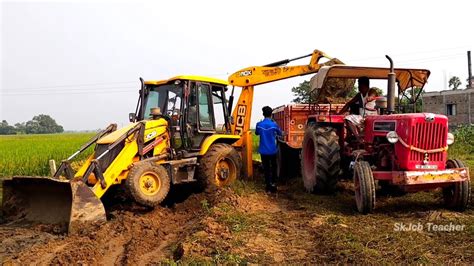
<point>29,154</point>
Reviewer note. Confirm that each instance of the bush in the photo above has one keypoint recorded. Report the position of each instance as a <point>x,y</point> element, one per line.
<point>463,147</point>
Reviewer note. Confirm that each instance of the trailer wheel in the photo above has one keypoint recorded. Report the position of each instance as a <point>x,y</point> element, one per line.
<point>320,159</point>
<point>148,183</point>
<point>219,167</point>
<point>457,196</point>
<point>287,162</point>
<point>364,187</point>
<point>281,168</point>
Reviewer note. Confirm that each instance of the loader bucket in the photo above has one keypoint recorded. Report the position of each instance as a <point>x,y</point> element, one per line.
<point>71,205</point>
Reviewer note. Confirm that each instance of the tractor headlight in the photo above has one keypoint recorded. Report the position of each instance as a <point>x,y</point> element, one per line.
<point>392,137</point>
<point>450,138</point>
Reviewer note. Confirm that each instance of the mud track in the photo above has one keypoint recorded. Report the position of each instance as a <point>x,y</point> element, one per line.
<point>243,224</point>
<point>133,235</point>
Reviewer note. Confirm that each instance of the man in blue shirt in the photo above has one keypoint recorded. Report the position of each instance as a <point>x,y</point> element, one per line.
<point>267,129</point>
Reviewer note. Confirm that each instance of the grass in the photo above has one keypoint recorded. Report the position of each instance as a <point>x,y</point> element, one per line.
<point>330,230</point>
<point>29,154</point>
<point>463,147</point>
<point>255,144</point>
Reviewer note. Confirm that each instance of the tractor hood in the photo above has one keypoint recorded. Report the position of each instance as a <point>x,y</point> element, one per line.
<point>422,138</point>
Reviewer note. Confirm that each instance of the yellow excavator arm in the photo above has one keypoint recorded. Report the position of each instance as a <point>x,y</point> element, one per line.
<point>249,77</point>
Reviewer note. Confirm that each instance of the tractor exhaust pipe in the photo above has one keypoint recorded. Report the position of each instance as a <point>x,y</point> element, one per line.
<point>391,88</point>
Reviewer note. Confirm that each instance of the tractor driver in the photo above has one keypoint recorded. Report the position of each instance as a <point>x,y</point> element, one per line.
<point>357,103</point>
<point>357,109</point>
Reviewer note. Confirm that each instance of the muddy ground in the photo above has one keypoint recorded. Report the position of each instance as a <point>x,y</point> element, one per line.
<point>243,224</point>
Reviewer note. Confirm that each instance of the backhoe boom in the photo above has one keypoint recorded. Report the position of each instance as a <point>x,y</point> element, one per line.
<point>249,77</point>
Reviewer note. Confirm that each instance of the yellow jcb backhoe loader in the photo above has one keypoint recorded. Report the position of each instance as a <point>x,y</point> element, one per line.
<point>172,139</point>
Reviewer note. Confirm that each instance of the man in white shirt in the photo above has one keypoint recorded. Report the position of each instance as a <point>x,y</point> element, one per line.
<point>357,103</point>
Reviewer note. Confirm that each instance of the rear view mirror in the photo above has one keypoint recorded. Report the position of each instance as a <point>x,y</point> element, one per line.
<point>132,117</point>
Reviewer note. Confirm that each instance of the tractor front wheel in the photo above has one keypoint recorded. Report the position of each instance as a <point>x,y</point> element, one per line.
<point>364,187</point>
<point>148,183</point>
<point>219,167</point>
<point>457,195</point>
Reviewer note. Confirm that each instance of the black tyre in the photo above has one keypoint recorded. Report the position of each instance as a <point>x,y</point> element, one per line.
<point>219,167</point>
<point>364,187</point>
<point>320,159</point>
<point>457,195</point>
<point>148,183</point>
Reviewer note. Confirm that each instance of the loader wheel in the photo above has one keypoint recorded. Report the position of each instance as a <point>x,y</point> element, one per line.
<point>457,195</point>
<point>219,167</point>
<point>320,159</point>
<point>148,183</point>
<point>364,187</point>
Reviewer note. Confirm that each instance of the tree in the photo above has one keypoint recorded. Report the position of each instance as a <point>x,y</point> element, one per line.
<point>42,124</point>
<point>454,82</point>
<point>20,128</point>
<point>407,99</point>
<point>6,129</point>
<point>302,93</point>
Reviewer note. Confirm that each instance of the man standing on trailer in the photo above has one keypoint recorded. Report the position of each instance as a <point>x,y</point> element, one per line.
<point>268,130</point>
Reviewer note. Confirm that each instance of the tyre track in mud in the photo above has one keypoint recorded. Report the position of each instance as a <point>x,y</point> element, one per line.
<point>129,237</point>
<point>245,224</point>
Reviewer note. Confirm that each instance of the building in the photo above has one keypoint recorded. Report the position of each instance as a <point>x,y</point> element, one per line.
<point>458,105</point>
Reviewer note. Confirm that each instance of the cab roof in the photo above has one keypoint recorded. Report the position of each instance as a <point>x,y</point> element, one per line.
<point>187,77</point>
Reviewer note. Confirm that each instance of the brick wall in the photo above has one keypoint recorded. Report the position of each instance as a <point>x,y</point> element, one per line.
<point>436,102</point>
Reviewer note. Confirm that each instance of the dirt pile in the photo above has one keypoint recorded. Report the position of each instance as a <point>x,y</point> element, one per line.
<point>132,236</point>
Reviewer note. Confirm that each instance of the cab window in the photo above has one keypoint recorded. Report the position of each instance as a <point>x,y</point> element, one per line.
<point>206,121</point>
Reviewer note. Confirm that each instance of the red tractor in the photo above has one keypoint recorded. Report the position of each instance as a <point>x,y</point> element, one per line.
<point>405,151</point>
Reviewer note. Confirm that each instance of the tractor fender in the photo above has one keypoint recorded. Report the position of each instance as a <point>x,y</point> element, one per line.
<point>217,138</point>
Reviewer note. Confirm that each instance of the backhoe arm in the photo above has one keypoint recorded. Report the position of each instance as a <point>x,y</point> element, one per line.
<point>247,78</point>
<point>256,75</point>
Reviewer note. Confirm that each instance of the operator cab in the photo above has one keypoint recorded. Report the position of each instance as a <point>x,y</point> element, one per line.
<point>194,106</point>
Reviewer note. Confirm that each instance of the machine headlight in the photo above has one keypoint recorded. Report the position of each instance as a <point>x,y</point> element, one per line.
<point>392,137</point>
<point>450,138</point>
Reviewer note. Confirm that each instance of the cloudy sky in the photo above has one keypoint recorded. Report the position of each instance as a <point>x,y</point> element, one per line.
<point>79,61</point>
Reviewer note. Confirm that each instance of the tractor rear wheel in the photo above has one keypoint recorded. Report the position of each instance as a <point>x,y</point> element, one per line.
<point>364,187</point>
<point>148,183</point>
<point>320,159</point>
<point>457,195</point>
<point>219,167</point>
